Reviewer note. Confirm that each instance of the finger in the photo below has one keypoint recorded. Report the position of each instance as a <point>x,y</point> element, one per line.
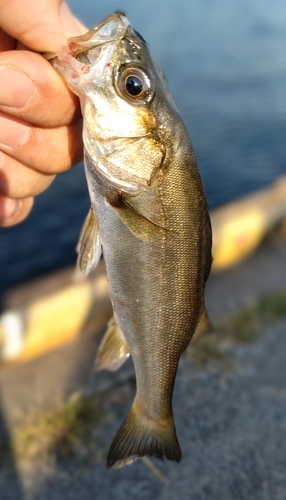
<point>48,150</point>
<point>6,41</point>
<point>31,89</point>
<point>70,24</point>
<point>37,24</point>
<point>19,181</point>
<point>14,211</point>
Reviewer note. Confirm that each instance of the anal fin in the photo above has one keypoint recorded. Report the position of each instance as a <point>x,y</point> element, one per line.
<point>113,350</point>
<point>204,326</point>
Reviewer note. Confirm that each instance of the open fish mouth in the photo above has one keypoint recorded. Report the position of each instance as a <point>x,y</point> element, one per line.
<point>85,57</point>
<point>149,212</point>
<point>86,65</point>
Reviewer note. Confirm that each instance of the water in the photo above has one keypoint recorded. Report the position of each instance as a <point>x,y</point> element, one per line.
<point>225,64</point>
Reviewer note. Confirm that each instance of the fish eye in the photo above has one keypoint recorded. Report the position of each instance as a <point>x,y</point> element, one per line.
<point>134,85</point>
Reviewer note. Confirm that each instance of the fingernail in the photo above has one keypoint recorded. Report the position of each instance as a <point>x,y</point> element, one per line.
<point>9,207</point>
<point>13,132</point>
<point>16,87</point>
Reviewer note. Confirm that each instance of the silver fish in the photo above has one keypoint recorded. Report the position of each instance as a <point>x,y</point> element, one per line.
<point>149,213</point>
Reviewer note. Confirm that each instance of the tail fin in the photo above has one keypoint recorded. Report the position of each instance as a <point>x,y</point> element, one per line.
<point>139,435</point>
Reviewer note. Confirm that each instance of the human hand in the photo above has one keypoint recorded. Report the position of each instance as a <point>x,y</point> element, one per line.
<point>40,119</point>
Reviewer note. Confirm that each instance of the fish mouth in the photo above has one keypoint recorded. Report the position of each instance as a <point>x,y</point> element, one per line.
<point>111,29</point>
<point>86,57</point>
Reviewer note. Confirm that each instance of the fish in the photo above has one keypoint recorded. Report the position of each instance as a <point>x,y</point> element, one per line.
<point>149,217</point>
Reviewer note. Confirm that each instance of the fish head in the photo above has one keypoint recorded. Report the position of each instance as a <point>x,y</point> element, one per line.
<point>121,90</point>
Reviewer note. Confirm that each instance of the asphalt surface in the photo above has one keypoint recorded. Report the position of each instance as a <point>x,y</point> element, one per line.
<point>230,422</point>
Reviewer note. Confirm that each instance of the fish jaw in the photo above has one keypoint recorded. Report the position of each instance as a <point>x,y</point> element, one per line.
<point>156,290</point>
<point>79,71</point>
<point>114,130</point>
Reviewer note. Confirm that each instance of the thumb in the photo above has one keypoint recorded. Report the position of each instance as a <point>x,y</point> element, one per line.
<point>40,25</point>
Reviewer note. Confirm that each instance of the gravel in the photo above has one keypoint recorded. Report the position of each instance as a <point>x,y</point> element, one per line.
<point>230,422</point>
<point>231,426</point>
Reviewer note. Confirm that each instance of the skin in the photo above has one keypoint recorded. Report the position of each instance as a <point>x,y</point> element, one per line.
<point>154,226</point>
<point>156,283</point>
<point>40,119</point>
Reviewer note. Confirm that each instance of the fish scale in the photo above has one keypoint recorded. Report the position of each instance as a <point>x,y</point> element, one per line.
<point>148,210</point>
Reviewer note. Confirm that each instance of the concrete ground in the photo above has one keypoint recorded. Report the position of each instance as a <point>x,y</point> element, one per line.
<point>230,422</point>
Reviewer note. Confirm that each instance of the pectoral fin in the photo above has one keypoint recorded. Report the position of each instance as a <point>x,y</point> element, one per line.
<point>113,350</point>
<point>89,245</point>
<point>138,224</point>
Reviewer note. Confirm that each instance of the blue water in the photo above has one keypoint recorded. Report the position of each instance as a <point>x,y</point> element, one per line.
<point>225,64</point>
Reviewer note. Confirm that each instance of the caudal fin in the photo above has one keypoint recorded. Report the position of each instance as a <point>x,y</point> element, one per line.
<point>139,435</point>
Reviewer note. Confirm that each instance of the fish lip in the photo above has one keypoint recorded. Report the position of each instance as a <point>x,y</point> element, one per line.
<point>98,45</point>
<point>84,43</point>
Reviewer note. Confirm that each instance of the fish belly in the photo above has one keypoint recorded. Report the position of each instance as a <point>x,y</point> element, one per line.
<point>156,290</point>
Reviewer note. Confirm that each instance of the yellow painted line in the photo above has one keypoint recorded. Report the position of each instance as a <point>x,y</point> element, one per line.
<point>12,330</point>
<point>70,308</point>
<point>53,320</point>
<point>238,238</point>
